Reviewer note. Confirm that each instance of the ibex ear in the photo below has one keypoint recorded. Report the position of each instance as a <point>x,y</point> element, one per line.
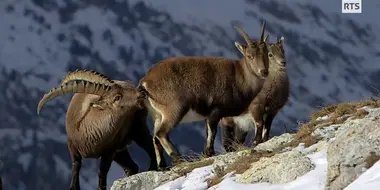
<point>240,47</point>
<point>282,39</point>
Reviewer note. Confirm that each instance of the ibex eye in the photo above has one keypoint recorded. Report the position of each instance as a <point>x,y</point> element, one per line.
<point>117,98</point>
<point>270,55</point>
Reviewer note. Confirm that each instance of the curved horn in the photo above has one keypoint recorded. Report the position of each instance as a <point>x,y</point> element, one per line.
<point>262,31</point>
<point>75,87</point>
<point>245,36</point>
<point>87,75</point>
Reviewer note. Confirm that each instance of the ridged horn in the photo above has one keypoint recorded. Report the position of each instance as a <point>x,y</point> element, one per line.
<point>245,36</point>
<point>262,31</point>
<point>87,75</point>
<point>75,87</point>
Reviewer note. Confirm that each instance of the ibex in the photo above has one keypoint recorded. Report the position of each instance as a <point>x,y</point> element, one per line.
<point>186,89</point>
<point>262,110</point>
<point>103,117</point>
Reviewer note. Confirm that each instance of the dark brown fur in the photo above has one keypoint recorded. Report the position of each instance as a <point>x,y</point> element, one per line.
<point>101,126</point>
<point>272,97</point>
<point>211,87</point>
<point>97,133</point>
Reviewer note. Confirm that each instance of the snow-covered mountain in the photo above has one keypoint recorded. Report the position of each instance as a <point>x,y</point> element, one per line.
<point>331,57</point>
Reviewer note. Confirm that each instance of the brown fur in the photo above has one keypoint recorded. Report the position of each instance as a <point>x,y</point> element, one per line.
<point>91,129</point>
<point>262,110</point>
<point>211,87</point>
<point>102,131</point>
<point>103,126</point>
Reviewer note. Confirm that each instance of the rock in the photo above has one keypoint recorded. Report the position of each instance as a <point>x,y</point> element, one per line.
<point>356,141</point>
<point>280,168</point>
<point>224,160</point>
<point>144,181</point>
<point>327,132</point>
<point>352,147</point>
<point>274,143</point>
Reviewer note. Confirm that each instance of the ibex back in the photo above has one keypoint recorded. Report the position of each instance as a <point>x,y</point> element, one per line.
<point>103,117</point>
<point>187,89</point>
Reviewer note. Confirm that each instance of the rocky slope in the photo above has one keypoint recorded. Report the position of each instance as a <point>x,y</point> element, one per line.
<point>331,57</point>
<point>330,152</point>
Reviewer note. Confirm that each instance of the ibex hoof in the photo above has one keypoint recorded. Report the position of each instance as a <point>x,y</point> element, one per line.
<point>130,173</point>
<point>161,169</point>
<point>177,160</point>
<point>209,153</point>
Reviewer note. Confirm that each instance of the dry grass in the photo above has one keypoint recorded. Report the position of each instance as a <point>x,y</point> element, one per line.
<point>238,167</point>
<point>338,111</point>
<point>360,114</point>
<point>237,147</point>
<point>336,114</point>
<point>189,163</point>
<point>372,159</point>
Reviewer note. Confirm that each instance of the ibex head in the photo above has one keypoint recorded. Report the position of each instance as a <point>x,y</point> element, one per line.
<point>255,53</point>
<point>276,52</point>
<point>115,96</point>
<point>121,98</point>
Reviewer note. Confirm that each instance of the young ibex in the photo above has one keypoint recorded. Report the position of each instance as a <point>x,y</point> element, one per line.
<point>103,117</point>
<point>272,97</point>
<point>187,89</point>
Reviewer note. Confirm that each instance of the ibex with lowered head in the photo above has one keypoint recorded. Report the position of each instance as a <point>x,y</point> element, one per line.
<point>187,89</point>
<point>262,110</point>
<point>103,117</point>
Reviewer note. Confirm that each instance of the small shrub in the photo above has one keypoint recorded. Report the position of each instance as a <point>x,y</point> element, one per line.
<point>360,114</point>
<point>219,174</point>
<point>324,111</point>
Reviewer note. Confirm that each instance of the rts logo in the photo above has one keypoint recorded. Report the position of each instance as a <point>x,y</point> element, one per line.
<point>351,6</point>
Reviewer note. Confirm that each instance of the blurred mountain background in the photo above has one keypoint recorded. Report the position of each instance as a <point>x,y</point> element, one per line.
<point>332,57</point>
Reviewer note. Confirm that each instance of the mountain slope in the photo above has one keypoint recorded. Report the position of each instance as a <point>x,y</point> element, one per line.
<point>331,57</point>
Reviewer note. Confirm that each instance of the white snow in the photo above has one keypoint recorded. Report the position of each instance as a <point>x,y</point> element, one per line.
<point>368,180</point>
<point>313,180</point>
<point>196,180</point>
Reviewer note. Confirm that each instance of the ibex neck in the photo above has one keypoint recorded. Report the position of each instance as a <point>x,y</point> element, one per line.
<point>248,75</point>
<point>275,70</point>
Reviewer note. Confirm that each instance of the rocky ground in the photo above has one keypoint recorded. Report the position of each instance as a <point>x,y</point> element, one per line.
<point>348,134</point>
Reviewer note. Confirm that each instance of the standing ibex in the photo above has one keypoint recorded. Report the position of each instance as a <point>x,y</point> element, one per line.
<point>187,89</point>
<point>272,97</point>
<point>103,117</point>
